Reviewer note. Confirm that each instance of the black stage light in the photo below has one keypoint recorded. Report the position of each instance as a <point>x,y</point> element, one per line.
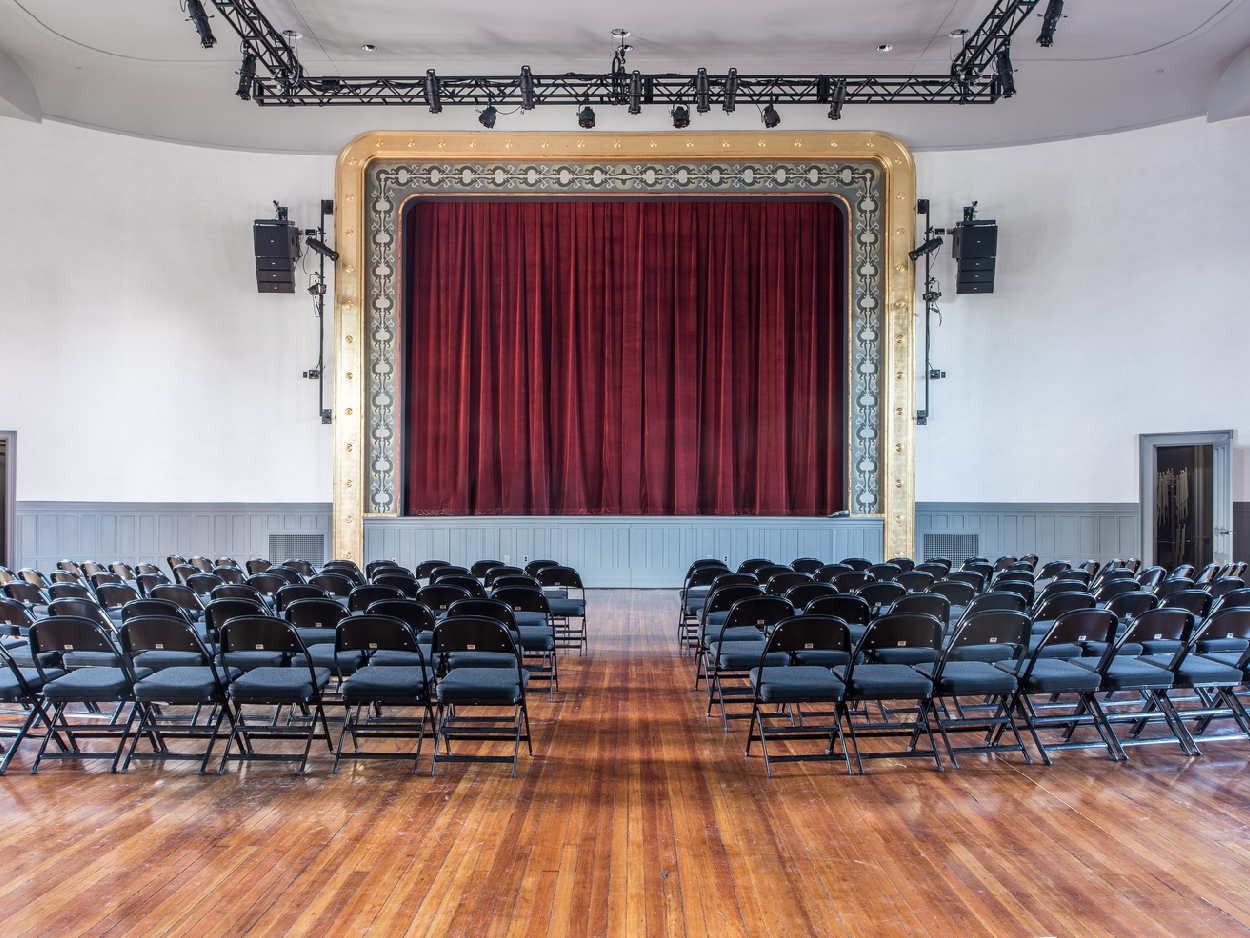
<point>770,116</point>
<point>702,92</point>
<point>635,93</point>
<point>927,248</point>
<point>1006,77</point>
<point>731,91</point>
<point>433,96</point>
<point>196,14</point>
<point>487,116</point>
<point>586,118</point>
<point>1050,19</point>
<point>527,88</point>
<point>247,72</point>
<point>321,249</point>
<point>681,117</point>
<point>839,98</point>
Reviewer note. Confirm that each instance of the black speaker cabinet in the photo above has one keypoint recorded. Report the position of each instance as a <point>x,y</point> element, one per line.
<point>974,248</point>
<point>277,250</point>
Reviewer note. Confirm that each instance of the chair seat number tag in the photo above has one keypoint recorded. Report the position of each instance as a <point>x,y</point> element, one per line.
<point>1158,635</point>
<point>159,646</point>
<point>69,647</point>
<point>516,608</point>
<point>993,639</point>
<point>260,647</point>
<point>901,644</point>
<point>1229,635</point>
<point>1080,638</point>
<point>810,645</point>
<point>317,624</point>
<point>373,644</point>
<point>470,647</point>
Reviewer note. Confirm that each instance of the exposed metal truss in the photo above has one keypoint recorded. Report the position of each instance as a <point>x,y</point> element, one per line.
<point>973,78</point>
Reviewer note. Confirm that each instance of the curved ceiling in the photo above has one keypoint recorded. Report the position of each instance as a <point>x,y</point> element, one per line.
<point>135,66</point>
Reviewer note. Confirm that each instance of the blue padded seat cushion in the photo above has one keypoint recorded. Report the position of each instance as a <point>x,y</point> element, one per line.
<point>906,656</point>
<point>158,660</point>
<point>536,638</point>
<point>253,659</point>
<point>960,678</point>
<point>1207,645</point>
<point>273,683</point>
<point>735,633</point>
<point>482,684</point>
<point>1198,671</point>
<point>1065,650</point>
<point>190,683</point>
<point>988,652</point>
<point>388,658</point>
<point>481,660</point>
<point>1095,650</point>
<point>90,659</point>
<point>821,658</point>
<point>715,618</point>
<point>797,682</point>
<point>91,684</point>
<point>388,682</point>
<point>1055,675</point>
<point>323,656</point>
<point>886,681</point>
<point>533,619</point>
<point>743,656</point>
<point>316,636</point>
<point>567,607</point>
<point>1160,646</point>
<point>11,690</point>
<point>1128,673</point>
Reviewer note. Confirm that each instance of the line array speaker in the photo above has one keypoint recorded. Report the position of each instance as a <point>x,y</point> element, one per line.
<point>277,250</point>
<point>975,247</point>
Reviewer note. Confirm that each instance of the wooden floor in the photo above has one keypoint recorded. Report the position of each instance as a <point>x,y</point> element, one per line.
<point>637,815</point>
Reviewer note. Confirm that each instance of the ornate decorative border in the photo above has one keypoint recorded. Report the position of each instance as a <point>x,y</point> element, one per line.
<point>377,173</point>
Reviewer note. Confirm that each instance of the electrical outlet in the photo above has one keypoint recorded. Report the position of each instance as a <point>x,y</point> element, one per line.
<point>507,559</point>
<point>725,558</point>
<point>524,560</point>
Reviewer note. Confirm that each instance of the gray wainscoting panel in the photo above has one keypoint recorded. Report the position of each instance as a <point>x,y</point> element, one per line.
<point>614,551</point>
<point>1241,530</point>
<point>1099,531</point>
<point>144,532</point>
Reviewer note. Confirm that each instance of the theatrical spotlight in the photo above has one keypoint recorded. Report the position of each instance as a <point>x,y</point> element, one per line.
<point>321,248</point>
<point>247,72</point>
<point>526,84</point>
<point>731,91</point>
<point>770,116</point>
<point>927,248</point>
<point>433,96</point>
<point>635,93</point>
<point>702,92</point>
<point>487,116</point>
<point>1050,19</point>
<point>196,14</point>
<point>837,100</point>
<point>586,118</point>
<point>681,117</point>
<point>1006,77</point>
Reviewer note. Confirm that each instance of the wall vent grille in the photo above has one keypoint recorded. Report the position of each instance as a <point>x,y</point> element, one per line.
<point>310,547</point>
<point>955,547</point>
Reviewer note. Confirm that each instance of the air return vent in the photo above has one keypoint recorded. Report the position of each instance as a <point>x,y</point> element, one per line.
<point>310,547</point>
<point>956,547</point>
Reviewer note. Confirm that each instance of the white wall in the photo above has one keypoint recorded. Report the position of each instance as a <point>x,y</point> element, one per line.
<point>137,361</point>
<point>1119,308</point>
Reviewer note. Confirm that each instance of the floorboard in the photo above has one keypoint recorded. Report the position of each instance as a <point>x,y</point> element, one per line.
<point>637,815</point>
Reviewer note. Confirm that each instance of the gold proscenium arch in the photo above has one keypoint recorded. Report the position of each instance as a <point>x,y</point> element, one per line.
<point>895,472</point>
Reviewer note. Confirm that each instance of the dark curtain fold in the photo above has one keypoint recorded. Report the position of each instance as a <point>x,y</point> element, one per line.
<point>659,358</point>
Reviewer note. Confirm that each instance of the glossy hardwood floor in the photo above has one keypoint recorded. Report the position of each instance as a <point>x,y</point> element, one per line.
<point>637,815</point>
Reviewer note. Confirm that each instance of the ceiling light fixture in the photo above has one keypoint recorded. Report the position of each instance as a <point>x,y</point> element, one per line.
<point>247,74</point>
<point>731,91</point>
<point>884,47</point>
<point>196,14</point>
<point>1050,19</point>
<point>770,117</point>
<point>433,95</point>
<point>321,248</point>
<point>958,33</point>
<point>702,92</point>
<point>838,99</point>
<point>586,118</point>
<point>526,83</point>
<point>368,47</point>
<point>681,117</point>
<point>291,37</point>
<point>486,117</point>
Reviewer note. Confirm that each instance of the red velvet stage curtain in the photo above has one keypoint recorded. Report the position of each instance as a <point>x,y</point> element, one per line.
<point>646,357</point>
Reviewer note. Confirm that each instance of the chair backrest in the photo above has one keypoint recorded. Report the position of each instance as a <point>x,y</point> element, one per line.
<point>205,583</point>
<point>858,564</point>
<point>994,627</point>
<point>903,563</point>
<point>938,570</point>
<point>302,567</point>
<point>971,577</point>
<point>1227,623</point>
<point>902,630</point>
<point>70,591</point>
<point>1054,606</point>
<point>220,611</point>
<point>1081,625</point>
<point>345,568</point>
<point>780,582</point>
<point>1015,586</point>
<point>806,564</point>
<point>561,577</point>
<point>406,583</point>
<point>801,594</point>
<point>257,565</point>
<point>482,567</point>
<point>1225,584</point>
<point>851,609</point>
<point>81,608</point>
<point>758,611</point>
<point>534,566</point>
<point>959,594</point>
<point>182,571</point>
<point>22,691</point>
<point>983,567</point>
<point>703,574</point>
<point>184,596</point>
<point>933,604</point>
<point>115,595</point>
<point>333,583</point>
<point>73,633</point>
<point>265,633</point>
<point>1233,599</point>
<point>768,571</point>
<point>149,606</point>
<point>804,633</point>
<point>164,633</point>
<point>202,563</point>
<point>1207,573</point>
<point>915,581</point>
<point>267,584</point>
<point>733,579</point>
<point>1002,563</point>
<point>14,614</point>
<point>996,602</point>
<point>1173,584</point>
<point>239,591</point>
<point>849,582</point>
<point>290,574</point>
<point>1062,586</point>
<point>1110,588</point>
<point>1196,601</point>
<point>469,583</point>
<point>1128,606</point>
<point>881,594</point>
<point>474,633</point>
<point>426,567</point>
<point>371,633</point>
<point>495,609</point>
<point>831,571</point>
<point>449,570</point>
<point>753,564</point>
<point>149,581</point>
<point>149,568</point>
<point>522,598</point>
<point>416,614</point>
<point>1169,624</point>
<point>315,612</point>
<point>293,591</point>
<point>1053,568</point>
<point>495,573</point>
<point>722,598</point>
<point>884,571</point>
<point>374,567</point>
<point>359,599</point>
<point>439,598</point>
<point>103,578</point>
<point>1151,577</point>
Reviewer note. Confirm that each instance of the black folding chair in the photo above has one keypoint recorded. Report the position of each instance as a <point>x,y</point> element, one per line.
<point>21,686</point>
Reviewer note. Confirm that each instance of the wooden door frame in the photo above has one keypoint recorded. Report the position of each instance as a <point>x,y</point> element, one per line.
<point>9,438</point>
<point>1221,443</point>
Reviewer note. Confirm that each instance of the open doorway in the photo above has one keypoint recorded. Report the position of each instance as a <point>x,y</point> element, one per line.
<point>1187,498</point>
<point>8,501</point>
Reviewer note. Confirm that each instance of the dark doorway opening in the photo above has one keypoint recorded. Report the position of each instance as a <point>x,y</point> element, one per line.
<point>1184,517</point>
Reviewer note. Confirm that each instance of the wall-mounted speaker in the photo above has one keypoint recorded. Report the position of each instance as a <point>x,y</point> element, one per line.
<point>975,247</point>
<point>277,250</point>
